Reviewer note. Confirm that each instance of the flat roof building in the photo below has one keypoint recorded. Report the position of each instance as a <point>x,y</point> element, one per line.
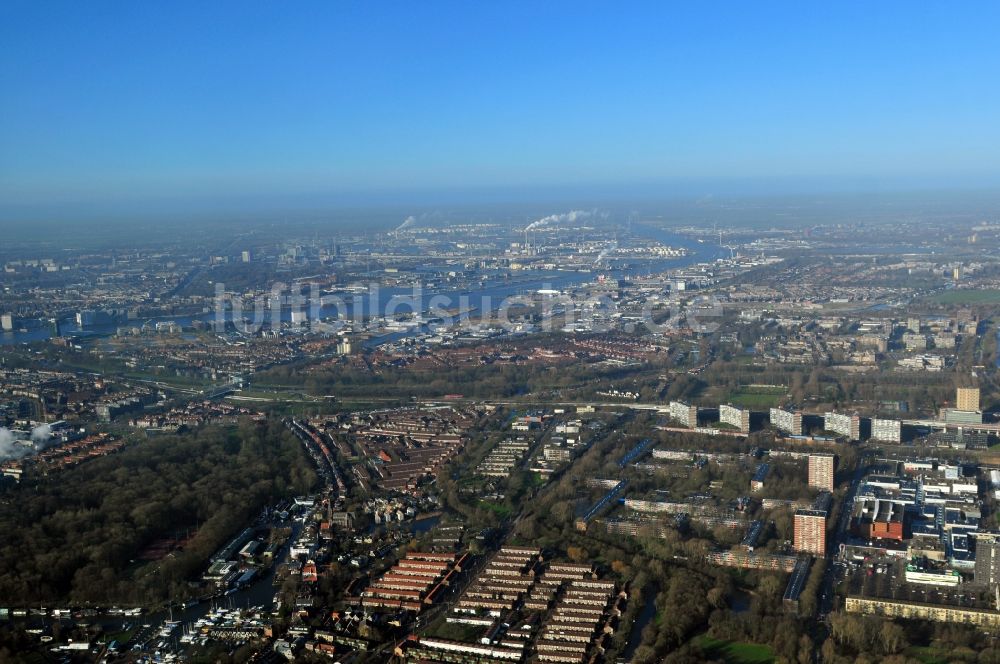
<point>810,532</point>
<point>987,570</point>
<point>788,421</point>
<point>956,416</point>
<point>757,481</point>
<point>821,469</point>
<point>845,425</point>
<point>889,431</point>
<point>967,398</point>
<point>737,417</point>
<point>684,414</point>
<point>878,519</point>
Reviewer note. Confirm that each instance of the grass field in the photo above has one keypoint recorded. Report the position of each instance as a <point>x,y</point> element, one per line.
<point>735,653</point>
<point>501,510</point>
<point>756,397</point>
<point>968,296</point>
<point>932,655</point>
<point>455,631</point>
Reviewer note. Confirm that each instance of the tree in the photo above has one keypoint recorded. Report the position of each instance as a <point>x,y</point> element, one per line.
<point>806,649</point>
<point>78,535</point>
<point>562,512</point>
<point>717,597</point>
<point>828,653</point>
<point>892,637</point>
<point>770,586</point>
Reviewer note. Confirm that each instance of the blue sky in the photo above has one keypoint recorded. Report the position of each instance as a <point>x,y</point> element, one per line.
<point>104,102</point>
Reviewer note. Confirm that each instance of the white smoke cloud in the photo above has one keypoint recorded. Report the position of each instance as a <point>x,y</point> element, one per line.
<point>14,447</point>
<point>605,251</point>
<point>565,217</point>
<point>40,435</point>
<point>422,218</point>
<point>11,447</point>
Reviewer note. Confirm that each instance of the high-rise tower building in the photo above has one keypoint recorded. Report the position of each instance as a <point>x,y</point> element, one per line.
<point>821,467</point>
<point>967,399</point>
<point>810,532</point>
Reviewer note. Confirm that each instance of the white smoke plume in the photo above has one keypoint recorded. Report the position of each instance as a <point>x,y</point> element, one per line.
<point>605,251</point>
<point>565,217</point>
<point>40,435</point>
<point>422,218</point>
<point>10,447</point>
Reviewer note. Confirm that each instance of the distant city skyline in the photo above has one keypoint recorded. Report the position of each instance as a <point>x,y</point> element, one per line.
<point>132,108</point>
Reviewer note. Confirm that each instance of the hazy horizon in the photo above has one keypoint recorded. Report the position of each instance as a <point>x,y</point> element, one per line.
<point>483,203</point>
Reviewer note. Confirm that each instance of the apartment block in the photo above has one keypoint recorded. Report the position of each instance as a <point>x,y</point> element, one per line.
<point>683,413</point>
<point>892,608</point>
<point>845,425</point>
<point>889,431</point>
<point>737,417</point>
<point>788,421</point>
<point>915,342</point>
<point>987,572</point>
<point>967,398</point>
<point>821,469</point>
<point>810,532</point>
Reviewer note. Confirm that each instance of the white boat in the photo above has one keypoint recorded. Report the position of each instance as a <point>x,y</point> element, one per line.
<point>169,627</point>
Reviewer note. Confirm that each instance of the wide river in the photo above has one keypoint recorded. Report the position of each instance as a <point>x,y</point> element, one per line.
<point>487,297</point>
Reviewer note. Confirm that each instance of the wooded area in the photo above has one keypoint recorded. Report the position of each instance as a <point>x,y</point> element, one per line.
<point>77,538</point>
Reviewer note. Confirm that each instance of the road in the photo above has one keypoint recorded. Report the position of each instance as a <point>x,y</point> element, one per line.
<point>833,546</point>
